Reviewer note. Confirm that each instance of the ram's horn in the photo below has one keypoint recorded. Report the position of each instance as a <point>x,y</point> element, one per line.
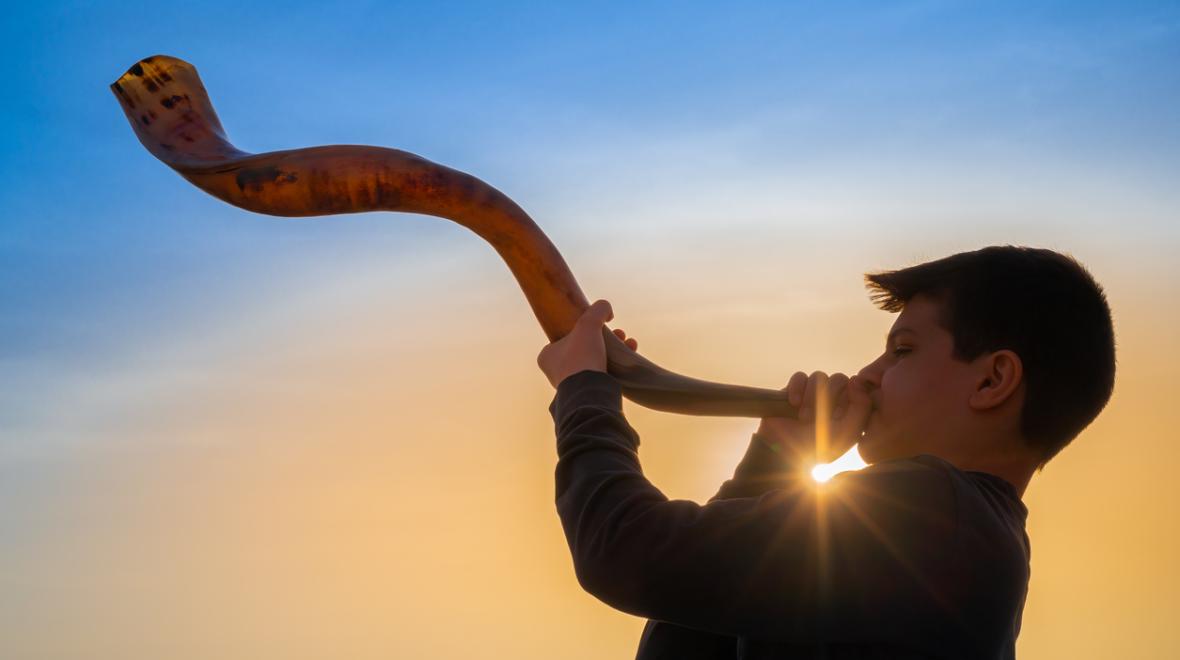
<point>171,114</point>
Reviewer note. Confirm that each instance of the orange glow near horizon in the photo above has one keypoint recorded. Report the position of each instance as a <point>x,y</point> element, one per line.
<point>331,460</point>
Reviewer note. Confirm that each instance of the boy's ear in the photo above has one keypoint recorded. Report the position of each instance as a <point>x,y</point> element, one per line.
<point>1001,373</point>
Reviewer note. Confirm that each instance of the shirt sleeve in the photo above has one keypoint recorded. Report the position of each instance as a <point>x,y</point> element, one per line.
<point>864,557</point>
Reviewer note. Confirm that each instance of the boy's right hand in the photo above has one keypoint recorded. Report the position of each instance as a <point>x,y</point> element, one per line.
<point>833,412</point>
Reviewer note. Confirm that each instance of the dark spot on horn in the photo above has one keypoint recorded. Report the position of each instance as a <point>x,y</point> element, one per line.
<point>148,59</point>
<point>136,70</point>
<point>144,120</point>
<point>123,95</point>
<point>165,77</point>
<point>152,87</point>
<point>255,178</point>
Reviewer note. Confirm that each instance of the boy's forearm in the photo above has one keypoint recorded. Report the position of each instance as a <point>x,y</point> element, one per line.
<point>761,469</point>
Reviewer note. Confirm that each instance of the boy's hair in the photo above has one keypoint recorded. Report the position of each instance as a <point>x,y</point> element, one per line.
<point>1044,306</point>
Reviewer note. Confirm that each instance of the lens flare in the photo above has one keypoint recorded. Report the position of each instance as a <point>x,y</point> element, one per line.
<point>851,460</point>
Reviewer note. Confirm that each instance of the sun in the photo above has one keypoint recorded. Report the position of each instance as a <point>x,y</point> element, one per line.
<point>849,461</point>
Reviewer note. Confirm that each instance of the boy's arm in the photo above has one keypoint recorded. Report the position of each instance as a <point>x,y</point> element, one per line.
<point>789,565</point>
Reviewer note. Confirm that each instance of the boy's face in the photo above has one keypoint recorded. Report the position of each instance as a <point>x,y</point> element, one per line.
<point>920,392</point>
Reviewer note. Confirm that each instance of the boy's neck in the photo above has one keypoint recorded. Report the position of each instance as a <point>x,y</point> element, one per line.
<point>1015,469</point>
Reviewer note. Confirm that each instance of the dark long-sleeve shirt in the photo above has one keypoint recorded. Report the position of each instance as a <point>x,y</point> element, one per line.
<point>909,558</point>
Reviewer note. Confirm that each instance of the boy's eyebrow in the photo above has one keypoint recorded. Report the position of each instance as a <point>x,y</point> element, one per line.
<point>897,331</point>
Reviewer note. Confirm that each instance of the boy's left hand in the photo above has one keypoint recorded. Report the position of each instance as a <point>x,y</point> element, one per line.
<point>832,413</point>
<point>583,348</point>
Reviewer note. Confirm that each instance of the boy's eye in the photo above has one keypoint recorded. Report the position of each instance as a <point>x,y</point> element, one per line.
<point>901,350</point>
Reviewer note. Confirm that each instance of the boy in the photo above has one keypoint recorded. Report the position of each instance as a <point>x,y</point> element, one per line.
<point>997,360</point>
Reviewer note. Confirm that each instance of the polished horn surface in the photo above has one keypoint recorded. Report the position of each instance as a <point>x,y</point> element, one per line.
<point>172,116</point>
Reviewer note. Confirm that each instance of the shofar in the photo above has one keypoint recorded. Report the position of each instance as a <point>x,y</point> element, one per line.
<point>171,114</point>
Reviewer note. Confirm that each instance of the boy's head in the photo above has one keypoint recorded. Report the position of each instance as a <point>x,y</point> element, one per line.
<point>1003,342</point>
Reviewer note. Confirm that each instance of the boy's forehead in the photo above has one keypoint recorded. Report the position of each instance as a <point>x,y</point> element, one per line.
<point>920,313</point>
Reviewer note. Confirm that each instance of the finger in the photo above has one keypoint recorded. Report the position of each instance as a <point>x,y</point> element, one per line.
<point>631,343</point>
<point>856,414</point>
<point>837,384</point>
<point>816,382</point>
<point>796,387</point>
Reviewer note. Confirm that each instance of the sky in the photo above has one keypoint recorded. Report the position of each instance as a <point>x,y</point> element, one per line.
<point>238,436</point>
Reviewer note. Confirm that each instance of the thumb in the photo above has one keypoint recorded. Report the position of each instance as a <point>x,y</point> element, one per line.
<point>859,402</point>
<point>597,314</point>
<point>856,412</point>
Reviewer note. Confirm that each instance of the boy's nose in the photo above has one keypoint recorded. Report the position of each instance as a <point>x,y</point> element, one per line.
<point>871,375</point>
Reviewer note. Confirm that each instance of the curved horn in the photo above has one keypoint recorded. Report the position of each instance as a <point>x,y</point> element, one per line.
<point>171,115</point>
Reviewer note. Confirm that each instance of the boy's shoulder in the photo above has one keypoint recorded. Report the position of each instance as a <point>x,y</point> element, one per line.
<point>983,507</point>
<point>922,472</point>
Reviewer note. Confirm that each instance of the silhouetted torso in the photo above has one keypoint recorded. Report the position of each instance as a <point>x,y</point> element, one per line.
<point>910,558</point>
